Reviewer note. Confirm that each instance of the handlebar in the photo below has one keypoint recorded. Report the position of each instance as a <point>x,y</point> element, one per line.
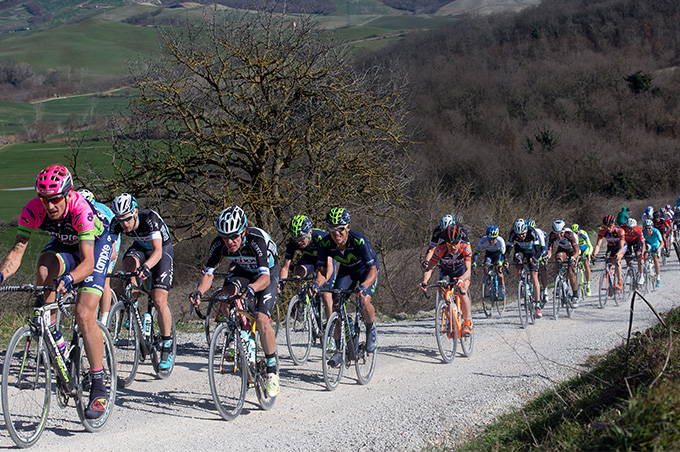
<point>297,278</point>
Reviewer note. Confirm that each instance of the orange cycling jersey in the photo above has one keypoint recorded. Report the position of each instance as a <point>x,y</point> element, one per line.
<point>452,262</point>
<point>613,237</point>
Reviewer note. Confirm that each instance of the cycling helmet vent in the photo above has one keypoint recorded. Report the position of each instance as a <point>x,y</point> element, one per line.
<point>492,232</point>
<point>231,220</point>
<point>123,204</point>
<point>300,226</point>
<point>452,234</point>
<point>338,215</point>
<point>53,181</point>
<point>520,226</point>
<point>608,220</point>
<point>87,194</point>
<point>631,223</point>
<point>446,221</point>
<point>558,226</point>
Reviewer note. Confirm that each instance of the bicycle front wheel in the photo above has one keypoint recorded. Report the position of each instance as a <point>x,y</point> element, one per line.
<point>227,372</point>
<point>110,381</point>
<point>299,330</point>
<point>604,289</point>
<point>26,388</point>
<point>331,348</point>
<point>557,297</point>
<point>215,314</point>
<point>125,343</point>
<point>157,346</point>
<point>365,362</point>
<point>446,330</point>
<point>276,318</point>
<point>522,304</point>
<point>487,299</point>
<point>467,343</point>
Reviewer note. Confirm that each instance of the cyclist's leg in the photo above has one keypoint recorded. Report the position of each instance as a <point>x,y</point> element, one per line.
<point>326,297</point>
<point>56,259</point>
<point>265,300</point>
<point>533,267</point>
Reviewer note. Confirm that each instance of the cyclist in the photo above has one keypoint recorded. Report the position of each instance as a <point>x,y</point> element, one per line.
<point>622,217</point>
<point>445,222</point>
<point>105,302</point>
<point>586,249</point>
<point>358,266</point>
<point>567,247</point>
<point>454,258</point>
<point>616,245</point>
<point>653,240</point>
<point>77,256</point>
<point>526,245</point>
<point>253,271</point>
<point>635,246</point>
<point>151,256</point>
<point>542,266</point>
<point>664,227</point>
<point>647,215</point>
<point>493,246</point>
<point>306,239</point>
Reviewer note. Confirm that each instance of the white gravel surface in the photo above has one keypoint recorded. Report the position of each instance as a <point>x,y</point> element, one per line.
<point>413,400</point>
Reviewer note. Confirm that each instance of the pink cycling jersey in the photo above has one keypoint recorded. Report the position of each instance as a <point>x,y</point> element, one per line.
<point>80,221</point>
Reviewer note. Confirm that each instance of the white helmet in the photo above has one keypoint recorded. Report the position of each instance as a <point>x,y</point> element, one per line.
<point>87,194</point>
<point>446,221</point>
<point>231,220</point>
<point>123,204</point>
<point>558,226</point>
<point>520,226</point>
<point>631,223</point>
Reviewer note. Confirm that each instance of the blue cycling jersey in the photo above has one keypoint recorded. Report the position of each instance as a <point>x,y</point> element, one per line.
<point>653,238</point>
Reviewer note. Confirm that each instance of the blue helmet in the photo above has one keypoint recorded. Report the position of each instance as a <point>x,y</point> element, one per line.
<point>492,232</point>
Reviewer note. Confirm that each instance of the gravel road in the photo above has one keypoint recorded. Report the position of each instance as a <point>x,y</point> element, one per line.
<point>412,401</point>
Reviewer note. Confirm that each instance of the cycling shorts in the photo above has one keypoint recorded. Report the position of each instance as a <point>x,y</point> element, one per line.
<point>69,257</point>
<point>310,267</point>
<point>654,249</point>
<point>563,253</point>
<point>633,248</point>
<point>586,250</point>
<point>347,279</point>
<point>491,257</point>
<point>522,255</point>
<point>615,249</point>
<point>264,299</point>
<point>162,272</point>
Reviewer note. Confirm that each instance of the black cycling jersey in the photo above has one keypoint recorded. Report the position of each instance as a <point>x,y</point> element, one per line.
<point>531,244</point>
<point>357,255</point>
<point>438,235</point>
<point>150,226</point>
<point>309,253</point>
<point>257,253</point>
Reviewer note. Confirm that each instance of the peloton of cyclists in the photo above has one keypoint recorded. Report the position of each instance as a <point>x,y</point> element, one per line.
<point>253,271</point>
<point>493,246</point>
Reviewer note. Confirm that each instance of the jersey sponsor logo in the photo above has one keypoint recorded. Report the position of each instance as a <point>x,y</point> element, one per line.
<point>257,249</point>
<point>63,238</point>
<point>103,260</point>
<point>89,279</point>
<point>358,241</point>
<point>346,260</point>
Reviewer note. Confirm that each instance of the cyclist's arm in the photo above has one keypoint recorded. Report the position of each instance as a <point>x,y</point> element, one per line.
<point>324,271</point>
<point>205,283</point>
<point>86,265</point>
<point>284,268</point>
<point>597,246</point>
<point>429,252</point>
<point>372,276</point>
<point>12,261</point>
<point>156,253</point>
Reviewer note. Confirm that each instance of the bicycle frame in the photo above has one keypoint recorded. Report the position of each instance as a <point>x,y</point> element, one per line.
<point>145,343</point>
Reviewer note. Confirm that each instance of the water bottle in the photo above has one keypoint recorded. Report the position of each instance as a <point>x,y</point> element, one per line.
<point>59,339</point>
<point>146,324</point>
<point>249,345</point>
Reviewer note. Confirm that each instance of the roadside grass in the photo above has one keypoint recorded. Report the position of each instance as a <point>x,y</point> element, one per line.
<point>627,401</point>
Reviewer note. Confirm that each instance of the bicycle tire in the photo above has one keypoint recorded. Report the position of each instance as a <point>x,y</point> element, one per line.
<point>210,323</point>
<point>557,297</point>
<point>603,289</point>
<point>500,304</point>
<point>266,402</point>
<point>332,375</point>
<point>276,318</point>
<point>663,259</point>
<point>521,303</point>
<point>467,343</point>
<point>227,372</point>
<point>629,283</point>
<point>567,295</point>
<point>157,345</point>
<point>619,295</point>
<point>581,281</point>
<point>125,343</point>
<point>110,381</point>
<point>445,326</point>
<point>298,327</point>
<point>486,296</point>
<point>365,362</point>
<point>25,407</point>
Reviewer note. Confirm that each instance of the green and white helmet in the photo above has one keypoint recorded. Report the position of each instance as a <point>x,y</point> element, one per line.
<point>338,215</point>
<point>300,226</point>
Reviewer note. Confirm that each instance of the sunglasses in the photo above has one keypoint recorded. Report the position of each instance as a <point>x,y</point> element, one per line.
<point>126,219</point>
<point>300,238</point>
<point>337,228</point>
<point>453,243</point>
<point>231,237</point>
<point>52,200</point>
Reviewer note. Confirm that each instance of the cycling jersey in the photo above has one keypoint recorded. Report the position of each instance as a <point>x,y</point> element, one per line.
<point>104,210</point>
<point>532,244</point>
<point>634,234</point>
<point>584,243</point>
<point>613,237</point>
<point>310,254</point>
<point>452,263</point>
<point>664,226</point>
<point>493,251</point>
<point>357,255</point>
<point>150,226</point>
<point>80,221</point>
<point>438,235</point>
<point>257,255</point>
<point>568,241</point>
<point>653,239</point>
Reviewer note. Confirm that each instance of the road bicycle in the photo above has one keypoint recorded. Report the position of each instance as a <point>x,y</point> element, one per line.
<point>448,323</point>
<point>631,280</point>
<point>649,272</point>
<point>236,360</point>
<point>304,322</point>
<point>132,344</point>
<point>581,281</point>
<point>562,292</point>
<point>608,286</point>
<point>490,290</point>
<point>343,335</point>
<point>217,310</point>
<point>525,297</point>
<point>32,356</point>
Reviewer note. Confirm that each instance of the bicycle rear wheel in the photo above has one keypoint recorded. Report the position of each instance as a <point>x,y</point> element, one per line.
<point>26,388</point>
<point>266,402</point>
<point>446,331</point>
<point>227,372</point>
<point>365,362</point>
<point>332,346</point>
<point>276,318</point>
<point>467,343</point>
<point>486,295</point>
<point>110,381</point>
<point>125,343</point>
<point>299,330</point>
<point>567,295</point>
<point>157,345</point>
<point>216,313</point>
